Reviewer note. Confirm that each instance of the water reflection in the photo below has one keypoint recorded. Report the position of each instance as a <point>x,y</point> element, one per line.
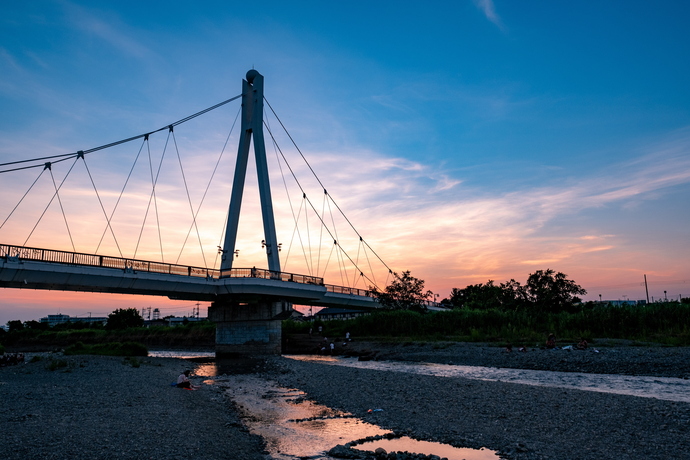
<point>671,389</point>
<point>294,427</point>
<point>291,425</point>
<point>406,444</point>
<point>183,354</point>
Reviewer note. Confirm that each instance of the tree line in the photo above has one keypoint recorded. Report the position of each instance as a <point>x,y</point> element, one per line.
<point>545,291</point>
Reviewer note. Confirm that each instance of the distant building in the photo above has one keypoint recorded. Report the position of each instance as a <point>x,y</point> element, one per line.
<point>620,303</point>
<point>328,314</point>
<point>179,321</point>
<point>53,320</point>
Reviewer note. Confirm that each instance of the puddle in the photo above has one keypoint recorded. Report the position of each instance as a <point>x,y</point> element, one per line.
<point>183,354</point>
<point>294,427</point>
<point>666,388</point>
<point>406,444</point>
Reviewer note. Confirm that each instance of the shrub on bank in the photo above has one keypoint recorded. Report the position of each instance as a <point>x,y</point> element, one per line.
<point>108,349</point>
<point>664,323</point>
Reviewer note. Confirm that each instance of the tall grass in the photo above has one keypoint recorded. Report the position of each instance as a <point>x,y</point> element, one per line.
<point>108,349</point>
<point>666,323</point>
<point>190,335</point>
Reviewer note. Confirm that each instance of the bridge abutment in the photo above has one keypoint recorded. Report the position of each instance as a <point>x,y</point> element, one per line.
<point>248,329</point>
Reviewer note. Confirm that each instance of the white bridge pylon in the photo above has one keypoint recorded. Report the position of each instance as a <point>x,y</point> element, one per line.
<point>252,127</point>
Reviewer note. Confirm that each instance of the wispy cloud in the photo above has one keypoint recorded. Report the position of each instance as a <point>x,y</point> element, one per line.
<point>487,7</point>
<point>109,32</point>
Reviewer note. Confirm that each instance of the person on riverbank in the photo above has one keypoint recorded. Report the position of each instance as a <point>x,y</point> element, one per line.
<point>184,382</point>
<point>582,344</point>
<point>551,341</point>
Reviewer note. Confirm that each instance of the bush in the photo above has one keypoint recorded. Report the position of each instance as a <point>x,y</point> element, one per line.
<point>661,323</point>
<point>56,364</point>
<point>108,349</point>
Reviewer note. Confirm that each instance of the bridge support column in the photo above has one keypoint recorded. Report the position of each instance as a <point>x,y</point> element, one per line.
<point>248,329</point>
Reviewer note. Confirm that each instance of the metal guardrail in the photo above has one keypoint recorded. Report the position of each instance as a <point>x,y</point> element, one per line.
<point>10,252</point>
<point>347,290</point>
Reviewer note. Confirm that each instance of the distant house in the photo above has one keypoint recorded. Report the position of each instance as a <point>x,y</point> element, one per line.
<point>328,314</point>
<point>297,315</point>
<point>53,320</point>
<point>620,303</point>
<point>180,321</point>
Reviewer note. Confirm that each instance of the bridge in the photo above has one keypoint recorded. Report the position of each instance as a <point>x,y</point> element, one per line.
<point>248,304</point>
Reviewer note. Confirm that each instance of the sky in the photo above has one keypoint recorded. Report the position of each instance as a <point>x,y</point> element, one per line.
<point>465,141</point>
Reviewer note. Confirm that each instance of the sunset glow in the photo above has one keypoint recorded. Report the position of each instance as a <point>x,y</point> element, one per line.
<point>486,142</point>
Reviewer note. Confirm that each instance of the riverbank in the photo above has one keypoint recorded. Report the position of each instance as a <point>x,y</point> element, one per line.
<point>603,357</point>
<point>96,407</point>
<point>99,407</point>
<point>520,421</point>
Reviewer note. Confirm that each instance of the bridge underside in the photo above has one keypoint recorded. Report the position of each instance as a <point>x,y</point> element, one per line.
<point>247,310</point>
<point>24,274</point>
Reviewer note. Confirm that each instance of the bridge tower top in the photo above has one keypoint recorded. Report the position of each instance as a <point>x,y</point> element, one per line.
<point>252,127</point>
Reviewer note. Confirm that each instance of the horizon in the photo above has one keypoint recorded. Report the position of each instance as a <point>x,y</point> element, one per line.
<point>485,143</point>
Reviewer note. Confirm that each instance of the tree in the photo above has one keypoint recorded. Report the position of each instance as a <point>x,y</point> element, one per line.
<point>15,325</point>
<point>545,291</point>
<point>122,318</point>
<point>33,324</point>
<point>477,296</point>
<point>551,292</point>
<point>404,293</point>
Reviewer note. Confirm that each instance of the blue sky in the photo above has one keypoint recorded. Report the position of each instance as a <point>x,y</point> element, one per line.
<point>472,141</point>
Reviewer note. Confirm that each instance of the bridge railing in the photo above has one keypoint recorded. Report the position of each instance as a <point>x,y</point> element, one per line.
<point>271,275</point>
<point>347,290</point>
<point>93,260</point>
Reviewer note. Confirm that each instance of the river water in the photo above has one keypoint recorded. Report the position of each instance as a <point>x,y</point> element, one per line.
<point>295,428</point>
<point>671,389</point>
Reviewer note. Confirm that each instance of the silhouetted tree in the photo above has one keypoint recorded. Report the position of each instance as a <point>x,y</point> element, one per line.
<point>477,296</point>
<point>545,291</point>
<point>122,318</point>
<point>15,325</point>
<point>551,292</point>
<point>403,293</point>
<point>33,324</point>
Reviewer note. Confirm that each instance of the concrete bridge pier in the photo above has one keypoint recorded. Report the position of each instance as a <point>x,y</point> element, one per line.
<point>248,329</point>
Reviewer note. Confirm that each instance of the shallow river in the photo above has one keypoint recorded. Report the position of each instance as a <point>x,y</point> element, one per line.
<point>671,389</point>
<point>294,427</point>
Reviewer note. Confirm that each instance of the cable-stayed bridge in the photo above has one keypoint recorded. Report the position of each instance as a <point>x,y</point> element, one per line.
<point>247,303</point>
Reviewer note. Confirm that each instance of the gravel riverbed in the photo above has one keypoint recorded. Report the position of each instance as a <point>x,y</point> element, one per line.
<point>99,407</point>
<point>105,407</point>
<point>520,421</point>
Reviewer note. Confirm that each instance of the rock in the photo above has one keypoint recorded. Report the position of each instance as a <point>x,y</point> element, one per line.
<point>341,451</point>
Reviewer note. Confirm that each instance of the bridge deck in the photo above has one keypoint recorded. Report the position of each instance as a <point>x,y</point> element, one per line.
<point>36,268</point>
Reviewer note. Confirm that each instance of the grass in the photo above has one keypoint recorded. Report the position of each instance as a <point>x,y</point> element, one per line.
<point>108,349</point>
<point>55,364</point>
<point>660,323</point>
